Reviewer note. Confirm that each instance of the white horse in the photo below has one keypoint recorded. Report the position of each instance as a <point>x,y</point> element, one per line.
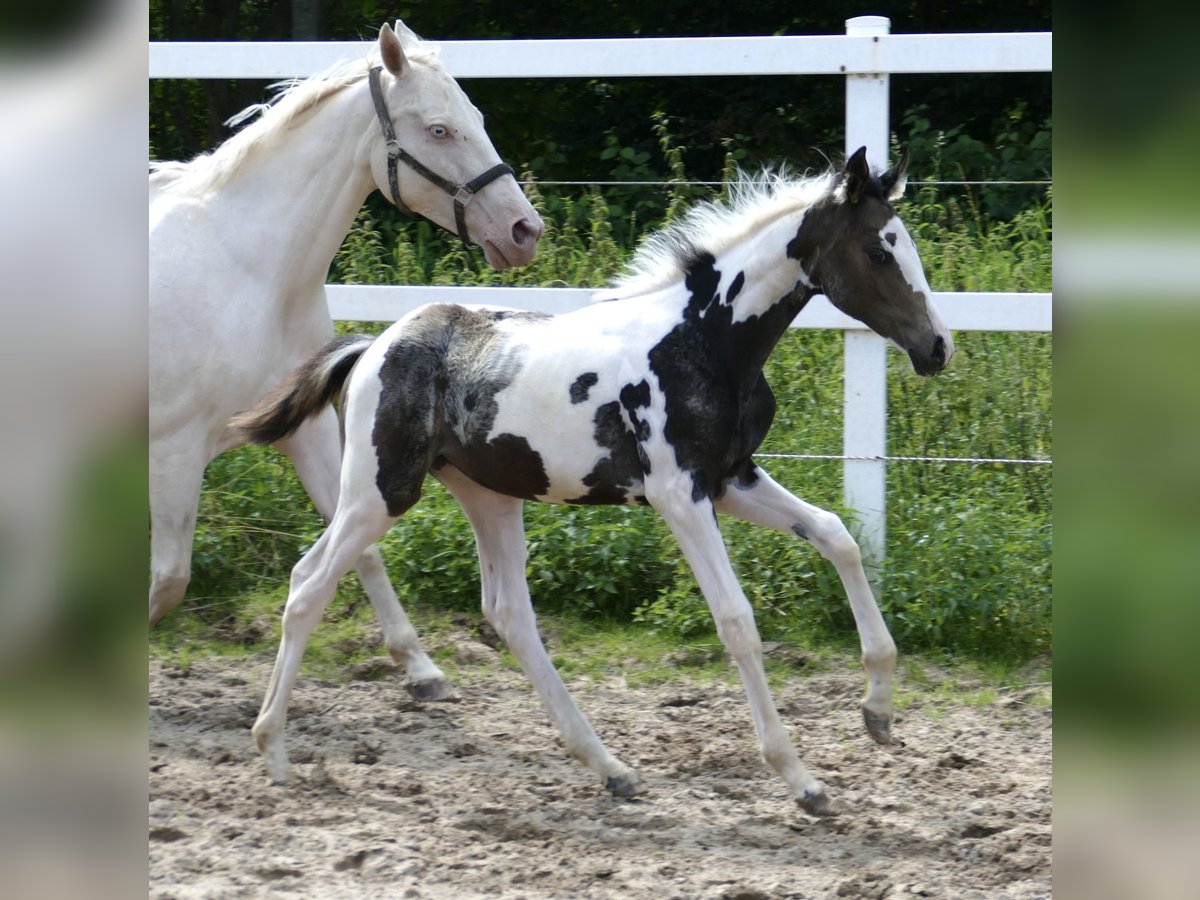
<point>240,245</point>
<point>654,396</point>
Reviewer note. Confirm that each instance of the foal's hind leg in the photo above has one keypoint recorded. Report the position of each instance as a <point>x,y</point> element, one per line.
<point>315,450</point>
<point>500,537</point>
<point>764,502</point>
<point>355,527</point>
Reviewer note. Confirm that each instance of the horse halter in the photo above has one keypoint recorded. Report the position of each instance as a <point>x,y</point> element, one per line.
<point>462,193</point>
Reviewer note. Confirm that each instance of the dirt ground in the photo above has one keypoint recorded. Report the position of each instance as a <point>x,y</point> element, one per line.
<point>478,798</point>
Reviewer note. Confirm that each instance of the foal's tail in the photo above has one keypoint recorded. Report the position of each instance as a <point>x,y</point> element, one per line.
<point>305,392</point>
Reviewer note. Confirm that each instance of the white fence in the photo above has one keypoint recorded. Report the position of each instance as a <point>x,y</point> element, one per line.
<point>867,55</point>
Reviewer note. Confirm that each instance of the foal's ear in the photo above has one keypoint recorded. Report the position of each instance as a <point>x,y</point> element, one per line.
<point>856,175</point>
<point>895,178</point>
<point>390,51</point>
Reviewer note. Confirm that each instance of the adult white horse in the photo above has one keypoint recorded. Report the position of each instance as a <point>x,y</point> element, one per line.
<point>240,245</point>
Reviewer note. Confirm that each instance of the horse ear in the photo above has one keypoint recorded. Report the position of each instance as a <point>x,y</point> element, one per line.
<point>895,178</point>
<point>407,35</point>
<point>856,175</point>
<point>390,51</point>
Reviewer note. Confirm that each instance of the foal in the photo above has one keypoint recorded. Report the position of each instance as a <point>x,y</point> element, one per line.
<point>655,395</point>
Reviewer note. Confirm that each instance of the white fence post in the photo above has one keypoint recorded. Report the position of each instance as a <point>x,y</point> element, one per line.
<point>865,364</point>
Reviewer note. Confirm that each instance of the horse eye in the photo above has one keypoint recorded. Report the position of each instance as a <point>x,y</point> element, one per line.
<point>877,255</point>
<point>439,131</point>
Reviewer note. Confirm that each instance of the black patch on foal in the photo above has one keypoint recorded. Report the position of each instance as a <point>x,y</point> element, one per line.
<point>633,398</point>
<point>609,480</point>
<point>582,385</point>
<point>626,463</point>
<point>438,405</point>
<point>512,465</point>
<point>735,287</point>
<point>718,404</point>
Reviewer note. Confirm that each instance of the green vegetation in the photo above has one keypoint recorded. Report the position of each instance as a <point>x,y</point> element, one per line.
<point>968,568</point>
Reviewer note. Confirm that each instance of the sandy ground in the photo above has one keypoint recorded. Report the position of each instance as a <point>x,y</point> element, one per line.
<point>478,798</point>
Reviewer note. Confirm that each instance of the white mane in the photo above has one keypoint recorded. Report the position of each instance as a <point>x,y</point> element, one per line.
<point>715,226</point>
<point>293,98</point>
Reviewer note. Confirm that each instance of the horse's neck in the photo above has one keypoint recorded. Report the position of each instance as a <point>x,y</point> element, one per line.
<point>293,202</point>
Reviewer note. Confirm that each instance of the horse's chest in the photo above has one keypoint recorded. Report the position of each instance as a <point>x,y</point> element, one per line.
<point>709,424</point>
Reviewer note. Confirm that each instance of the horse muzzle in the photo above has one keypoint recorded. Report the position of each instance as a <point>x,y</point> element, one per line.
<point>517,247</point>
<point>934,358</point>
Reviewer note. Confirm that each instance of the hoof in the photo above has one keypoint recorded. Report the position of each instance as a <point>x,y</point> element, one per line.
<point>279,773</point>
<point>431,691</point>
<point>817,803</point>
<point>879,726</point>
<point>629,785</point>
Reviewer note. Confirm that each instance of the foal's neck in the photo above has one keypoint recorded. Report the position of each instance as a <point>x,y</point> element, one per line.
<point>744,301</point>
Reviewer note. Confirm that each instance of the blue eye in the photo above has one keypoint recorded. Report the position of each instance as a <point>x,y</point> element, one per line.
<point>439,131</point>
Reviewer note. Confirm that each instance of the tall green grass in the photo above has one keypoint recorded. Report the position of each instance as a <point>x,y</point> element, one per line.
<point>967,569</point>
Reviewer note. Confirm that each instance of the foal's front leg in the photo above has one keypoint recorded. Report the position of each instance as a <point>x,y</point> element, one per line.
<point>764,502</point>
<point>695,527</point>
<point>500,537</point>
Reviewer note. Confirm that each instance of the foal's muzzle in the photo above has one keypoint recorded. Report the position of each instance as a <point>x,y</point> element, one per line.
<point>932,361</point>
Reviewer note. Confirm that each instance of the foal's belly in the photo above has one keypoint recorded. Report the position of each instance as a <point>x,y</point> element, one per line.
<point>510,464</point>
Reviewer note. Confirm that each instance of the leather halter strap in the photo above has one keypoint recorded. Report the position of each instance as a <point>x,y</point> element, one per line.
<point>462,193</point>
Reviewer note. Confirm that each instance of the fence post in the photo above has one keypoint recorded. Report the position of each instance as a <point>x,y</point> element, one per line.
<point>865,363</point>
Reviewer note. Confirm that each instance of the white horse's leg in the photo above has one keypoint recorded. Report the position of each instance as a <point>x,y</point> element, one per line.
<point>355,526</point>
<point>767,503</point>
<point>694,524</point>
<point>176,474</point>
<point>500,538</point>
<point>315,450</point>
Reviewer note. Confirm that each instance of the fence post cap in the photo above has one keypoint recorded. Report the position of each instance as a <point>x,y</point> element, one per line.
<point>867,26</point>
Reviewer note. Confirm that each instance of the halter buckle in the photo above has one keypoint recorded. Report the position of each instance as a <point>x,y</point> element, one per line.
<point>462,195</point>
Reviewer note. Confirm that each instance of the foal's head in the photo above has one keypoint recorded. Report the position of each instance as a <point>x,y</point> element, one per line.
<point>862,257</point>
<point>436,123</point>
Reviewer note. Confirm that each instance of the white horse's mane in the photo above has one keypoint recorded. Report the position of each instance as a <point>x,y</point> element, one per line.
<point>293,98</point>
<point>714,226</point>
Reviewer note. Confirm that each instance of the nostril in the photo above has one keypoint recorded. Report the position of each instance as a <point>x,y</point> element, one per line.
<point>939,350</point>
<point>525,232</point>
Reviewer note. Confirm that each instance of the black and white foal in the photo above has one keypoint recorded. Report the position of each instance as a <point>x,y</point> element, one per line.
<point>653,395</point>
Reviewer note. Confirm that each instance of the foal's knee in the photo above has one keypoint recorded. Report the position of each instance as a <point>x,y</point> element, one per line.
<point>371,561</point>
<point>739,634</point>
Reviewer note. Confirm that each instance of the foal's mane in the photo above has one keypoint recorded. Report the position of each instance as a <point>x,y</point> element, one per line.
<point>292,100</point>
<point>754,201</point>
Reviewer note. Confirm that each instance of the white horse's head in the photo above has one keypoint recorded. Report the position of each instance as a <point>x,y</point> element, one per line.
<point>438,127</point>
